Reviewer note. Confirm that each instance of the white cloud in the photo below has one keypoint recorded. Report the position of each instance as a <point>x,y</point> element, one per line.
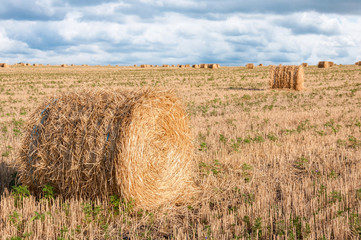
<point>111,33</point>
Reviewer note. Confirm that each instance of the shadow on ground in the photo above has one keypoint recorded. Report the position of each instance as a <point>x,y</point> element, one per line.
<point>6,176</point>
<point>247,89</point>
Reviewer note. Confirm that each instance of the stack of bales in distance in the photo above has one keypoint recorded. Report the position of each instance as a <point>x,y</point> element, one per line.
<point>165,65</point>
<point>325,64</point>
<point>4,65</point>
<point>212,65</point>
<point>145,66</point>
<point>250,66</point>
<point>305,64</point>
<point>93,144</point>
<point>195,66</point>
<point>291,77</point>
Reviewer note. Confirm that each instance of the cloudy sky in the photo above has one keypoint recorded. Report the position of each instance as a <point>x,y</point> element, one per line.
<point>229,32</point>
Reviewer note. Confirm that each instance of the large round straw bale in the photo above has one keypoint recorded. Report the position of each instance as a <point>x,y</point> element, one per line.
<point>63,65</point>
<point>98,143</point>
<point>291,77</point>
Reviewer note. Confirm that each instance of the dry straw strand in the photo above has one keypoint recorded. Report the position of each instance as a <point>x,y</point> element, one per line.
<point>291,77</point>
<point>97,143</point>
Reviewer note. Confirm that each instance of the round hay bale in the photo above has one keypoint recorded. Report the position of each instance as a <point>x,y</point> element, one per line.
<point>4,65</point>
<point>95,144</point>
<point>63,65</point>
<point>250,66</point>
<point>323,64</point>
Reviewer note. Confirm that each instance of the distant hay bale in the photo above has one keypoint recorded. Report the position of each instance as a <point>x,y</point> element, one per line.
<point>36,65</point>
<point>291,77</point>
<point>305,64</point>
<point>165,65</point>
<point>4,65</point>
<point>94,144</point>
<point>203,65</point>
<point>144,66</point>
<point>181,66</point>
<point>187,65</point>
<point>195,66</point>
<point>323,64</point>
<point>213,66</point>
<point>173,65</point>
<point>63,65</point>
<point>28,64</point>
<point>358,63</point>
<point>135,65</point>
<point>250,66</point>
<point>72,65</point>
<point>260,65</point>
<point>331,64</point>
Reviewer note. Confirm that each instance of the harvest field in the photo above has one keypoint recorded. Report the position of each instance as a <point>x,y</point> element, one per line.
<point>270,163</point>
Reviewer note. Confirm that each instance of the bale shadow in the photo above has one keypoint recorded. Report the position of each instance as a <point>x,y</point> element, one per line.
<point>7,177</point>
<point>247,89</point>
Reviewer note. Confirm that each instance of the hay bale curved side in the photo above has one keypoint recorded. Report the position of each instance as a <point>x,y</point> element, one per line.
<point>95,144</point>
<point>156,158</point>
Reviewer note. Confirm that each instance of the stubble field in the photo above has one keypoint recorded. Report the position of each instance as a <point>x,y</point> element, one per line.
<point>271,164</point>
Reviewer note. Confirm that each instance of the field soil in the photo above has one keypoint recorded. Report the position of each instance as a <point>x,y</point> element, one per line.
<point>270,163</point>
